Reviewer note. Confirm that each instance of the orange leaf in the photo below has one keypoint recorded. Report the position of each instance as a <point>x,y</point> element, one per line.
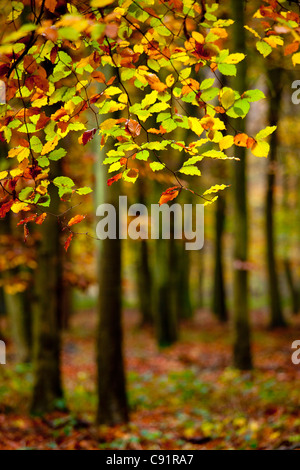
<point>76,220</point>
<point>241,140</point>
<point>40,219</point>
<point>68,241</point>
<point>169,195</point>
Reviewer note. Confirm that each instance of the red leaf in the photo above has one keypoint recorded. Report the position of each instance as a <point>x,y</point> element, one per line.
<point>87,136</point>
<point>68,241</point>
<point>31,218</point>
<point>115,178</point>
<point>5,208</point>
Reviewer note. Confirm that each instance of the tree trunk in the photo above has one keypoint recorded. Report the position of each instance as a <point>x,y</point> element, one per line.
<point>291,286</point>
<point>18,308</point>
<point>112,398</point>
<point>47,389</point>
<point>219,294</point>
<point>166,271</point>
<point>275,93</point>
<point>184,302</point>
<point>242,349</point>
<point>144,275</point>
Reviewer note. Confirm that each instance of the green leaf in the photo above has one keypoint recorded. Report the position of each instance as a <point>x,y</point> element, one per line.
<point>83,191</point>
<point>190,170</point>
<point>143,155</point>
<point>210,94</point>
<point>64,181</point>
<point>253,95</point>
<point>157,166</point>
<point>264,48</point>
<point>207,83</point>
<point>227,69</point>
<point>57,154</point>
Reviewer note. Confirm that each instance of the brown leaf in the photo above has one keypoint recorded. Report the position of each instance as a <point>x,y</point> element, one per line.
<point>133,127</point>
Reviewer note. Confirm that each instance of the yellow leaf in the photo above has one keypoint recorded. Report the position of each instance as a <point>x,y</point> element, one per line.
<point>227,97</point>
<point>195,125</point>
<point>296,59</point>
<point>170,80</point>
<point>198,37</point>
<point>226,142</point>
<point>108,124</point>
<point>260,149</point>
<point>20,152</point>
<point>253,32</point>
<point>100,3</point>
<point>49,146</point>
<point>234,58</point>
<point>3,174</point>
<point>16,172</point>
<point>19,206</point>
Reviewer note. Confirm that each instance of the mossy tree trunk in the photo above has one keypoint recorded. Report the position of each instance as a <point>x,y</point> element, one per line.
<point>241,349</point>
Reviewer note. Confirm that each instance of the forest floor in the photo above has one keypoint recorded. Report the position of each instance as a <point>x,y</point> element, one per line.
<point>183,397</point>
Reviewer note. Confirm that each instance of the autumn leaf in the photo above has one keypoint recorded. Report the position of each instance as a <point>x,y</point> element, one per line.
<point>241,140</point>
<point>169,195</point>
<point>115,178</point>
<point>87,136</point>
<point>133,127</point>
<point>26,232</point>
<point>76,220</point>
<point>5,208</point>
<point>40,219</point>
<point>68,241</point>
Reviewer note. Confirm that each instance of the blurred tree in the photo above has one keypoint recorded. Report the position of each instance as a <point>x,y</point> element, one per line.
<point>47,388</point>
<point>275,93</point>
<point>242,350</point>
<point>112,399</point>
<point>144,274</point>
<point>219,294</point>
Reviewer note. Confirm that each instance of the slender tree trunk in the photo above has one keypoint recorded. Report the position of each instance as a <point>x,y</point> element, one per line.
<point>184,303</point>
<point>291,286</point>
<point>47,389</point>
<point>242,349</point>
<point>166,272</point>
<point>219,294</point>
<point>112,398</point>
<point>275,93</point>
<point>144,275</point>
